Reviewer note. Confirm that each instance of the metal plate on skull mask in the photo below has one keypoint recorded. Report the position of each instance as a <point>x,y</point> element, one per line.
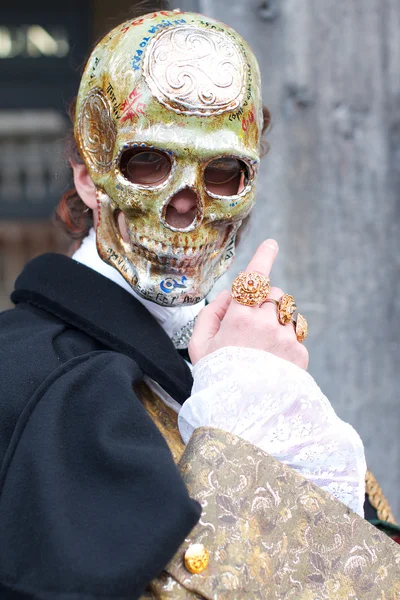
<point>96,131</point>
<point>194,71</point>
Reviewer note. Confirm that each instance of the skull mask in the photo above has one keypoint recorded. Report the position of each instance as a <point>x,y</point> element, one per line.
<point>170,102</point>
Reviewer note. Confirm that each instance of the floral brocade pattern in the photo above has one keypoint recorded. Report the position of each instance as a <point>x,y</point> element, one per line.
<point>271,534</point>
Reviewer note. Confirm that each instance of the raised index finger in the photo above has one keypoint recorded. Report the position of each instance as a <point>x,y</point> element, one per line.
<point>263,258</point>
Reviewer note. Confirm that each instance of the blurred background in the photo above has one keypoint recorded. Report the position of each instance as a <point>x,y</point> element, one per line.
<point>328,191</point>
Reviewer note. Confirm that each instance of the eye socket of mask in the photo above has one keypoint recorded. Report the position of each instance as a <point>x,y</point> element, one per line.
<point>145,166</point>
<point>223,176</point>
<point>226,176</point>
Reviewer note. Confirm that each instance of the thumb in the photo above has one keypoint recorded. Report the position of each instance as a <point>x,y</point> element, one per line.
<point>207,325</point>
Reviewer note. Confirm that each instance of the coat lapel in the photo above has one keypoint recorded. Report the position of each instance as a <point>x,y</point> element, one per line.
<point>97,306</point>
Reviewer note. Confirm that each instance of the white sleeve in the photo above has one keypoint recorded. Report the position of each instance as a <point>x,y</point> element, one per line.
<point>278,407</point>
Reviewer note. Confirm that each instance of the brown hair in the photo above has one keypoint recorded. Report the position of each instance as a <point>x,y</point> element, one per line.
<point>72,214</point>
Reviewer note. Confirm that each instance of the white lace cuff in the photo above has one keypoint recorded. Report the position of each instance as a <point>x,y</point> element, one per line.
<point>278,407</point>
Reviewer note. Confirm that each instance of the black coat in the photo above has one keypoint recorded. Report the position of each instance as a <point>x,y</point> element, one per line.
<point>91,505</point>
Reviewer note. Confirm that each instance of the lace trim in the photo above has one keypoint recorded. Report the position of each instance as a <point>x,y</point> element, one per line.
<point>278,407</point>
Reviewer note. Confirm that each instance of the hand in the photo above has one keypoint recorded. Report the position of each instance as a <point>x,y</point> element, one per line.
<point>225,322</point>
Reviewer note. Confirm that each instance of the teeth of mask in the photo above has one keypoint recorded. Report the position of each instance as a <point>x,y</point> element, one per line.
<point>191,258</point>
<point>142,243</point>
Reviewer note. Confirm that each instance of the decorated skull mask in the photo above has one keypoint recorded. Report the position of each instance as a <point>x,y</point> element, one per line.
<point>170,102</point>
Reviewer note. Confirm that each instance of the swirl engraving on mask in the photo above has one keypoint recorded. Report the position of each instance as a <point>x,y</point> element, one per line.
<point>194,71</point>
<point>96,131</point>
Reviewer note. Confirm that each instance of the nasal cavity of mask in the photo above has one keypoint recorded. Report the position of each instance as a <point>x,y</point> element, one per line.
<point>182,210</point>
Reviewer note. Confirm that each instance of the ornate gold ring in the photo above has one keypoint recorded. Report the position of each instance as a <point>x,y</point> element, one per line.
<point>300,327</point>
<point>250,289</point>
<point>286,308</point>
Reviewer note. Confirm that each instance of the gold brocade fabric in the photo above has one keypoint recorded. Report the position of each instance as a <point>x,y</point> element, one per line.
<point>271,534</point>
<point>164,417</point>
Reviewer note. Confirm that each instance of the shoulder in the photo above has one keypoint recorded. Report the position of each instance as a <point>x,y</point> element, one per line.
<point>37,349</point>
<point>77,403</point>
<point>103,371</point>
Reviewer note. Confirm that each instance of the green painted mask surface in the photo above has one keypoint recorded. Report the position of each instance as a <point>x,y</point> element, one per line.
<point>189,87</point>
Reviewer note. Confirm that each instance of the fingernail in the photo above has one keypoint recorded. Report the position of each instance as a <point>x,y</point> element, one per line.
<point>272,244</point>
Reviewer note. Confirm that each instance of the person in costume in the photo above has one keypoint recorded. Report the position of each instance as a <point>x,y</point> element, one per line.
<point>267,501</point>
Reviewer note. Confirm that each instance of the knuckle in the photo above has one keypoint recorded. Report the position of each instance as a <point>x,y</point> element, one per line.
<point>287,334</point>
<point>304,354</point>
<point>289,344</point>
<point>244,321</point>
<point>276,292</point>
<point>270,327</point>
<point>250,322</point>
<point>301,356</point>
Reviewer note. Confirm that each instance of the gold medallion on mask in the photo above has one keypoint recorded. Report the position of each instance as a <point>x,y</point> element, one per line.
<point>96,131</point>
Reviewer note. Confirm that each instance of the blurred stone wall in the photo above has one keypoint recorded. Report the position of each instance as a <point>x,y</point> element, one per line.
<point>329,193</point>
<point>41,49</point>
<point>33,174</point>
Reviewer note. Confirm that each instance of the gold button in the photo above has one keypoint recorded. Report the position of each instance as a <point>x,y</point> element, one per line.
<point>196,558</point>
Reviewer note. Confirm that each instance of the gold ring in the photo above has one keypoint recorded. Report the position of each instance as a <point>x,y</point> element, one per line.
<point>250,289</point>
<point>300,327</point>
<point>286,308</point>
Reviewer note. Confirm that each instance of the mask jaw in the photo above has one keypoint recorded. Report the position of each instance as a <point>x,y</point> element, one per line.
<point>168,285</point>
<point>110,245</point>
